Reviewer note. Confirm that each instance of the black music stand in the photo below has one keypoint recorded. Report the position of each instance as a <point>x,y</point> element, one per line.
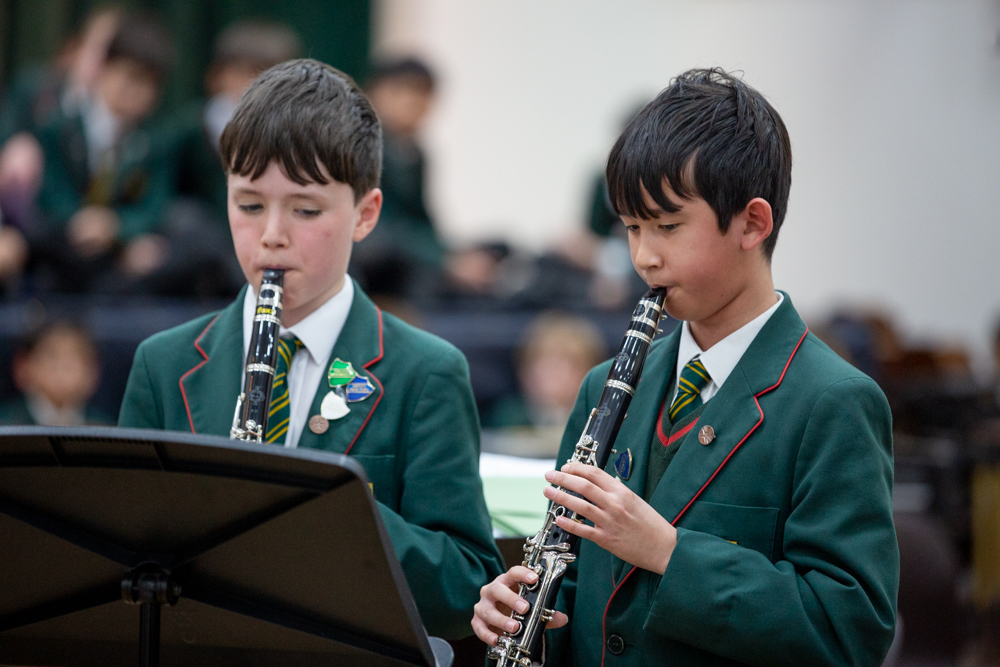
<point>234,554</point>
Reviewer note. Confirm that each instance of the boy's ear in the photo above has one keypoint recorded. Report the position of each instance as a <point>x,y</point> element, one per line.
<point>759,223</point>
<point>368,209</point>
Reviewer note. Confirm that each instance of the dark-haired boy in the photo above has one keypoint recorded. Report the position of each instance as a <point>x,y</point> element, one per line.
<point>57,371</point>
<point>107,176</point>
<point>302,153</point>
<point>745,515</point>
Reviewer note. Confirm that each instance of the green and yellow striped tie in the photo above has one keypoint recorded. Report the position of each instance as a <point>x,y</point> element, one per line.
<point>694,377</point>
<point>280,413</point>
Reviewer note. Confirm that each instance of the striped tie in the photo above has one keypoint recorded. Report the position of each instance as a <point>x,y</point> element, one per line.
<point>280,413</point>
<point>694,377</point>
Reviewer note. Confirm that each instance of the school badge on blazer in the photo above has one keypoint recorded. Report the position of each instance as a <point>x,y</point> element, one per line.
<point>358,389</point>
<point>623,464</point>
<point>340,377</point>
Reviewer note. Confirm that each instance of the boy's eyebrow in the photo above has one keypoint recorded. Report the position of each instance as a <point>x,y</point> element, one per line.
<point>246,190</point>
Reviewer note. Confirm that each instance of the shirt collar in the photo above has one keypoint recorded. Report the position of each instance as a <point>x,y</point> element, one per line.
<point>318,331</point>
<point>721,358</point>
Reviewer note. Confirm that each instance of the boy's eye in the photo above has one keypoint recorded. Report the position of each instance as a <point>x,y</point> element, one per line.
<point>308,212</point>
<point>631,228</point>
<point>250,208</point>
<point>668,228</point>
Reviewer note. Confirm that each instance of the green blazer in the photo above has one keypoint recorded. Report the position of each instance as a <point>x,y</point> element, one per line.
<point>141,185</point>
<point>786,551</point>
<point>417,437</point>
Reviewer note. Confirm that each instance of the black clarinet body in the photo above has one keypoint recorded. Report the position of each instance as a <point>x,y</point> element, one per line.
<point>551,550</point>
<point>253,403</point>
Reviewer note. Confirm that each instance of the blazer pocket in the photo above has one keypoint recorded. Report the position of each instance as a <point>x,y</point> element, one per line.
<point>749,527</point>
<point>380,470</point>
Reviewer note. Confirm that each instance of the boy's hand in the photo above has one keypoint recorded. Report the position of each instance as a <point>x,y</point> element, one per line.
<point>496,599</point>
<point>624,523</point>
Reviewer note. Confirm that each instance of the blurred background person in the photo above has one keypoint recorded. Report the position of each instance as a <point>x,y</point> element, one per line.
<point>107,172</point>
<point>56,370</point>
<point>201,260</point>
<point>403,256</point>
<point>555,354</point>
<point>36,94</point>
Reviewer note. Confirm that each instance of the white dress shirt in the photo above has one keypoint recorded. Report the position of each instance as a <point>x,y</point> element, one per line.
<point>102,130</point>
<point>318,332</point>
<point>721,358</point>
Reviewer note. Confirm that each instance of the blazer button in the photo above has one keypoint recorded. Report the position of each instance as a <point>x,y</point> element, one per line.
<point>616,645</point>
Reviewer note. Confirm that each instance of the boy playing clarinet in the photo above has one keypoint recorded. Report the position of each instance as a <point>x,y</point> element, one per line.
<point>302,155</point>
<point>745,516</point>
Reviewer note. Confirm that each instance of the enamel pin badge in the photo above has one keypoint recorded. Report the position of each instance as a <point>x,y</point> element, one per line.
<point>623,464</point>
<point>358,389</point>
<point>340,373</point>
<point>340,376</point>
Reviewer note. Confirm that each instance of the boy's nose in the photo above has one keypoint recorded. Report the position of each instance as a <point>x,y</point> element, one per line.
<point>275,234</point>
<point>644,255</point>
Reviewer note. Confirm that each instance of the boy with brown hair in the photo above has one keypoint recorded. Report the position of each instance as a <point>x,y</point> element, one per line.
<point>303,155</point>
<point>746,514</point>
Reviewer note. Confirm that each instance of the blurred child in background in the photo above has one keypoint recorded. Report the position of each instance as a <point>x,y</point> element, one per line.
<point>201,259</point>
<point>403,256</point>
<point>557,352</point>
<point>242,51</point>
<point>57,372</point>
<point>107,176</point>
<point>36,94</point>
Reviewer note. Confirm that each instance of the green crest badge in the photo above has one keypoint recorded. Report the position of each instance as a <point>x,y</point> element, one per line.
<point>341,373</point>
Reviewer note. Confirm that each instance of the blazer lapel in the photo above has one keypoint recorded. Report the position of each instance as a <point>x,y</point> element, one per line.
<point>360,342</point>
<point>210,388</point>
<point>734,414</point>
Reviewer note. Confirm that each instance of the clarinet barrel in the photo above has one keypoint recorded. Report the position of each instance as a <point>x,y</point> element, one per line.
<point>551,550</point>
<point>253,403</point>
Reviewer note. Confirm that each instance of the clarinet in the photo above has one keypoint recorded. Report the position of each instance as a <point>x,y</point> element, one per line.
<point>551,550</point>
<point>254,402</point>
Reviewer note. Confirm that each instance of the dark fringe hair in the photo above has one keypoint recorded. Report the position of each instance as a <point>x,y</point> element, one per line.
<point>708,135</point>
<point>303,114</point>
<point>142,38</point>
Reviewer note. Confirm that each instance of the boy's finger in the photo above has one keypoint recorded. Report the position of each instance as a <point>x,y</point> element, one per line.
<point>580,529</point>
<point>559,619</point>
<point>584,487</point>
<point>520,574</point>
<point>483,631</point>
<point>578,505</point>
<point>494,618</point>
<point>595,475</point>
<point>507,597</point>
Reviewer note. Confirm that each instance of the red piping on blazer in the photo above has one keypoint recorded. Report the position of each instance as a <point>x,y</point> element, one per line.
<point>604,647</point>
<point>381,353</point>
<point>197,344</point>
<point>676,436</point>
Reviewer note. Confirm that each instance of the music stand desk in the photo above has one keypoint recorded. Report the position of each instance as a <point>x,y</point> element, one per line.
<point>216,552</point>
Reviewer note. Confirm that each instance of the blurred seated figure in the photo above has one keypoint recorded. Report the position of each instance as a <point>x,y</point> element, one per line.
<point>35,96</point>
<point>602,246</point>
<point>401,91</point>
<point>557,352</point>
<point>107,177</point>
<point>242,51</point>
<point>201,260</point>
<point>66,83</point>
<point>57,372</point>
